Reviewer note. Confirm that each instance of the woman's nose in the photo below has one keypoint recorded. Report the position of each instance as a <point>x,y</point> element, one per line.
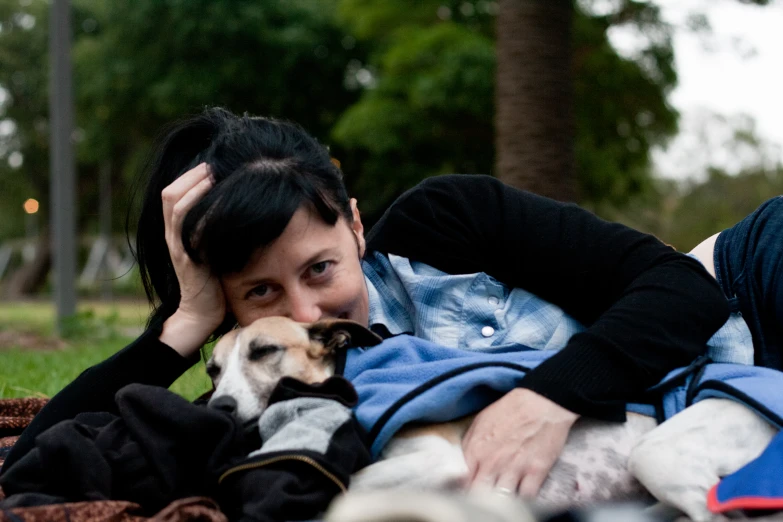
<point>304,308</point>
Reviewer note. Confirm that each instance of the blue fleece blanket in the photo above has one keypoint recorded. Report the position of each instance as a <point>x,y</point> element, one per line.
<point>756,486</point>
<point>406,379</point>
<point>757,388</point>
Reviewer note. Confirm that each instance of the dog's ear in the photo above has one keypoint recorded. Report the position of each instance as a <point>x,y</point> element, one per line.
<point>340,334</point>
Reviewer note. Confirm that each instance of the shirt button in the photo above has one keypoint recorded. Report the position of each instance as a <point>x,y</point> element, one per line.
<point>493,301</point>
<point>487,331</point>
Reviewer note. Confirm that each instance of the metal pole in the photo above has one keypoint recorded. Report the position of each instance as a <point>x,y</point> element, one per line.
<point>31,237</point>
<point>62,169</point>
<point>104,207</point>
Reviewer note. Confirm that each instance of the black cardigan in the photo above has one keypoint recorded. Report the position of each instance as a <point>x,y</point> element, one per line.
<point>648,309</point>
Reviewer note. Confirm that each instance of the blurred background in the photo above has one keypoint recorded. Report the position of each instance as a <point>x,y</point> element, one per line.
<point>662,114</point>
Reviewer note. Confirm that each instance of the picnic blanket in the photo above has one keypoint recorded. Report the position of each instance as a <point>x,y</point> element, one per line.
<point>15,415</point>
<point>194,509</point>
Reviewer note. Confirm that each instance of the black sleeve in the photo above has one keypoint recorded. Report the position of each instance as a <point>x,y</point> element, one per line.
<point>145,361</point>
<point>648,309</point>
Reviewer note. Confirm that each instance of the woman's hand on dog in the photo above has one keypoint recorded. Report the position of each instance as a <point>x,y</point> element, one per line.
<point>513,443</point>
<point>202,305</point>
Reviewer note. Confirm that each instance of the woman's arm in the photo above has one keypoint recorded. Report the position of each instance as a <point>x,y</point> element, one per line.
<point>647,308</point>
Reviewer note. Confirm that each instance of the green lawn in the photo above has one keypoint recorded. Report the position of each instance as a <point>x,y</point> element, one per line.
<point>35,363</point>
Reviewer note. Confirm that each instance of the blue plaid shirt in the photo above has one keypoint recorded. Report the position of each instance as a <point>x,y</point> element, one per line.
<point>477,312</point>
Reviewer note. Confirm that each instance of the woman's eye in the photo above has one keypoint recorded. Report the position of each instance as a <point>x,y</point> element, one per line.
<point>320,268</point>
<point>259,291</point>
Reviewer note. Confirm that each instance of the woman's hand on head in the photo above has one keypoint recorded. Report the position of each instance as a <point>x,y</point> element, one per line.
<point>513,443</point>
<point>202,305</point>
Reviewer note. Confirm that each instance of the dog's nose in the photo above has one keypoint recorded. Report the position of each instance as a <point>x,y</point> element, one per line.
<point>223,403</point>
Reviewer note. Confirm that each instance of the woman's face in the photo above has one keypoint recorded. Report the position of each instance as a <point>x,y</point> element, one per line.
<point>312,271</point>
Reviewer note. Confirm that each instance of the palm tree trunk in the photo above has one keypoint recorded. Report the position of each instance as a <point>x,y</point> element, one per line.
<point>533,116</point>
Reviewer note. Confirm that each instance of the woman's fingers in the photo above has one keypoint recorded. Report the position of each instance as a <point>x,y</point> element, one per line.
<point>180,186</point>
<point>178,198</point>
<point>186,202</point>
<point>531,483</point>
<point>513,443</point>
<point>177,188</point>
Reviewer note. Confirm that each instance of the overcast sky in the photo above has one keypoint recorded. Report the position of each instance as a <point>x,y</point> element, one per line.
<point>736,69</point>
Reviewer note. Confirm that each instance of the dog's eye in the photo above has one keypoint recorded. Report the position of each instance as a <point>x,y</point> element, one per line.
<point>213,370</point>
<point>259,351</point>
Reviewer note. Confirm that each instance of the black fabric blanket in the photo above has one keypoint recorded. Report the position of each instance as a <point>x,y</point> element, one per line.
<point>161,448</point>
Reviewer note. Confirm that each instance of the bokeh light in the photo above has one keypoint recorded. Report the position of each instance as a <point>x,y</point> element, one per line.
<point>31,206</point>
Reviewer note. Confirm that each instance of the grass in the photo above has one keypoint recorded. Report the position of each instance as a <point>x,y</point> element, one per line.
<point>33,362</point>
<point>38,316</point>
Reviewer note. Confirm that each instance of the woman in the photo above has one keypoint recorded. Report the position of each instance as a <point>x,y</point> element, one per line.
<point>248,217</point>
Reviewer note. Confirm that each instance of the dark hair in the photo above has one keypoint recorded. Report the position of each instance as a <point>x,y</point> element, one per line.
<point>264,170</point>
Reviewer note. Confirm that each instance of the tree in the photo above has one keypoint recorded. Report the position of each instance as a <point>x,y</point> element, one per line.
<point>533,97</point>
<point>141,64</point>
<point>683,213</point>
<point>429,104</point>
<point>146,63</point>
<point>24,139</point>
<point>429,114</point>
<point>399,90</point>
<point>534,127</point>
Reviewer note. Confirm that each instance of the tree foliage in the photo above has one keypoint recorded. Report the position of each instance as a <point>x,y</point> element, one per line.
<point>140,64</point>
<point>684,214</point>
<point>23,111</point>
<point>399,90</point>
<point>430,108</point>
<point>430,112</point>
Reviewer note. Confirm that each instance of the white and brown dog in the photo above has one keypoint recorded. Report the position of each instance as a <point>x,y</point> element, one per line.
<point>677,462</point>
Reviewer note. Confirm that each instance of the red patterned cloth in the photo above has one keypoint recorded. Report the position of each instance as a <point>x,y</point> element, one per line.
<point>5,446</point>
<point>16,414</point>
<point>193,509</point>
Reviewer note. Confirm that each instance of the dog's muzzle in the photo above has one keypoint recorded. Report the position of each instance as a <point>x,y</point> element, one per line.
<point>228,404</point>
<point>223,403</point>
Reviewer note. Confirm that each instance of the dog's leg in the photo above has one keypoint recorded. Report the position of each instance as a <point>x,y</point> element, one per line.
<point>593,465</point>
<point>420,463</point>
<point>680,460</point>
